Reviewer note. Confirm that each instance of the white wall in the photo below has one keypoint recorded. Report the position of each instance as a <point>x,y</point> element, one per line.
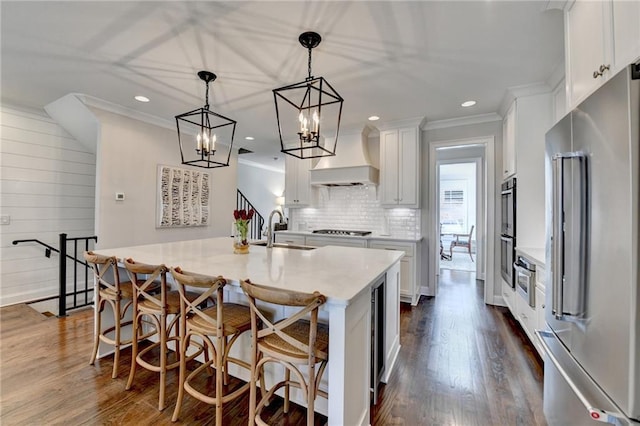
<point>261,186</point>
<point>480,130</point>
<point>46,188</point>
<point>129,152</point>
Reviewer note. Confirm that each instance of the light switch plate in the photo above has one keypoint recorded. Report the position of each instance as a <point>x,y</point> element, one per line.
<point>5,220</point>
<point>119,196</point>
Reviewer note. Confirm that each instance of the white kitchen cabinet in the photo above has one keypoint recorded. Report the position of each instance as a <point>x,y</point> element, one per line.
<point>332,241</point>
<point>296,240</point>
<point>400,167</point>
<point>508,295</point>
<point>509,142</point>
<point>297,192</point>
<point>533,117</point>
<point>601,37</point>
<point>626,32</point>
<point>409,274</point>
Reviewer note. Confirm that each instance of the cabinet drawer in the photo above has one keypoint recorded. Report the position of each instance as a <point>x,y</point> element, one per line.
<point>330,241</point>
<point>508,295</point>
<point>290,239</point>
<point>408,249</point>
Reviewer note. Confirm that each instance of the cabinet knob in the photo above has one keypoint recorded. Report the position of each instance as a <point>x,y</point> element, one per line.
<point>601,70</point>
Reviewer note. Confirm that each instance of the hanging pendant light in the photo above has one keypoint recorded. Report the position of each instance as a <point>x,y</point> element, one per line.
<point>308,112</point>
<point>205,137</point>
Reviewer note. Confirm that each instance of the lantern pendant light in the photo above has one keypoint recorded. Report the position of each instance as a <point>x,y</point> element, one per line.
<point>205,137</point>
<point>308,112</point>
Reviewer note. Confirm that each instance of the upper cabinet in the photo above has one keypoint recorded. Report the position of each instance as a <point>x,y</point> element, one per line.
<point>400,167</point>
<point>509,142</point>
<point>297,192</point>
<point>601,37</point>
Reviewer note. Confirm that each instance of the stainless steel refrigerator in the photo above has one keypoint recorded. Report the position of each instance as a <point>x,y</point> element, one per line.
<point>592,344</point>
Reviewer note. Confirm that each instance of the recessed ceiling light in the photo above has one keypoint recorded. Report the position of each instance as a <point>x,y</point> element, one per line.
<point>468,103</point>
<point>374,118</point>
<point>141,98</point>
<point>249,138</point>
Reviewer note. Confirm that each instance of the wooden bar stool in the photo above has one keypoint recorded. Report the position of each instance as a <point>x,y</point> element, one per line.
<point>119,295</point>
<point>224,322</point>
<point>161,315</point>
<point>296,340</point>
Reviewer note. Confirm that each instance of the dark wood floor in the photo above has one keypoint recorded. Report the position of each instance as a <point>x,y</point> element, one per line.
<point>461,363</point>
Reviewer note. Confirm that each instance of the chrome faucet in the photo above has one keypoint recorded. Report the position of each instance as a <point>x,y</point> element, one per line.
<point>269,233</point>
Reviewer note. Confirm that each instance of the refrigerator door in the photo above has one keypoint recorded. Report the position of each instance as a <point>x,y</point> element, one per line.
<point>602,341</point>
<point>571,397</point>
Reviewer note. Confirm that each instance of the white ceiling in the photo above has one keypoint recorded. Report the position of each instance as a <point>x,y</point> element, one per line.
<point>394,59</point>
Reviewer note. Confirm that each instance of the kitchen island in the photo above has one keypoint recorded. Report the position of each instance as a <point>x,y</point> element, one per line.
<point>345,275</point>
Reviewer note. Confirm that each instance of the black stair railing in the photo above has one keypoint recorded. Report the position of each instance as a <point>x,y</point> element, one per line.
<point>80,296</point>
<point>256,224</point>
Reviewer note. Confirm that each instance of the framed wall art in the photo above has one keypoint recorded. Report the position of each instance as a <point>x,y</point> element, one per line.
<point>183,197</point>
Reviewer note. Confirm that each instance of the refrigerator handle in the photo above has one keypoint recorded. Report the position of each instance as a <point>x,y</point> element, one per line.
<point>557,247</point>
<point>560,221</point>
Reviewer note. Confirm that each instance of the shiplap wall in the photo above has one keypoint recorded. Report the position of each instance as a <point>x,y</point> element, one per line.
<point>47,187</point>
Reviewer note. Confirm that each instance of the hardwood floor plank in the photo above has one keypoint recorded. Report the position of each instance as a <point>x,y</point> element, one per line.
<point>461,363</point>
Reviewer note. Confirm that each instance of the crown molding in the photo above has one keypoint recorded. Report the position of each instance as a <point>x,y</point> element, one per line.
<point>259,166</point>
<point>461,121</point>
<point>128,112</point>
<point>409,122</point>
<point>520,92</point>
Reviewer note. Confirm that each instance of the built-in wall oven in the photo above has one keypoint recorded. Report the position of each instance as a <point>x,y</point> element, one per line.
<point>508,231</point>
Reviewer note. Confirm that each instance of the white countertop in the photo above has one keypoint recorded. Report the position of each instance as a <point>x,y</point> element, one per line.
<point>340,273</point>
<point>372,236</point>
<point>537,255</point>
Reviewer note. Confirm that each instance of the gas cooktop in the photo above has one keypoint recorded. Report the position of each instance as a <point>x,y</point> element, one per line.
<point>341,232</point>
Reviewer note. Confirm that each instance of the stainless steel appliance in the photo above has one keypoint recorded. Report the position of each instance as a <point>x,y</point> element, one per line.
<point>378,321</point>
<point>592,365</point>
<point>342,232</point>
<point>526,280</point>
<point>508,230</point>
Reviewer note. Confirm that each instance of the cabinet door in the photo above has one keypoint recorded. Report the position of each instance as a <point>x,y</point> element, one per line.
<point>509,142</point>
<point>389,167</point>
<point>587,43</point>
<point>406,281</point>
<point>297,182</point>
<point>626,32</point>
<point>304,182</point>
<point>408,167</point>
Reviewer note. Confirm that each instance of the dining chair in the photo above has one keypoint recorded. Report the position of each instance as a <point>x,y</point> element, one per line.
<point>298,343</point>
<point>218,327</point>
<point>110,290</point>
<point>462,240</point>
<point>155,315</point>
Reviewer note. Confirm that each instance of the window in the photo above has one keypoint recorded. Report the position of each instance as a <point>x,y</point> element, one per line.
<point>453,197</point>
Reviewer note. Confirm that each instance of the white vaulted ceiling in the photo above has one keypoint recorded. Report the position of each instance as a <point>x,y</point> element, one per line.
<point>394,59</point>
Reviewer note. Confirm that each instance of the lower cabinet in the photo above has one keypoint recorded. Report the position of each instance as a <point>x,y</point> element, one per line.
<point>531,318</point>
<point>409,267</point>
<point>331,241</point>
<point>409,289</point>
<point>297,240</point>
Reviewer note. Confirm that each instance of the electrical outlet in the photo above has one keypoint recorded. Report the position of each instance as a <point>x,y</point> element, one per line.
<point>119,196</point>
<point>5,220</point>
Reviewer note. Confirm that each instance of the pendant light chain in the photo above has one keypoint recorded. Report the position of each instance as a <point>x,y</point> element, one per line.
<point>309,78</point>
<point>206,97</point>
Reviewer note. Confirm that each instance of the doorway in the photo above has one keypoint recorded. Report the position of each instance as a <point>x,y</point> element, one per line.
<point>442,157</point>
<point>458,208</point>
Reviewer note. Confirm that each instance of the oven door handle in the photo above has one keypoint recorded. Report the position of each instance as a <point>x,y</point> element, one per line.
<point>507,192</point>
<point>521,270</point>
<point>507,239</point>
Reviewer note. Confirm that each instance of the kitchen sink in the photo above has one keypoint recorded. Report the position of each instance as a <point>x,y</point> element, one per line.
<point>279,245</point>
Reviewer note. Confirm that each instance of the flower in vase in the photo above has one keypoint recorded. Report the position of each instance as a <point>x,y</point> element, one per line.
<point>242,218</point>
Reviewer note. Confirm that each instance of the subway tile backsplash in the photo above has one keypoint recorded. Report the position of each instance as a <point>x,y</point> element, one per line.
<point>354,208</point>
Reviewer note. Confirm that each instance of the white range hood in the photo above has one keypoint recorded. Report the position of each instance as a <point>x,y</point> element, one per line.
<point>351,164</point>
